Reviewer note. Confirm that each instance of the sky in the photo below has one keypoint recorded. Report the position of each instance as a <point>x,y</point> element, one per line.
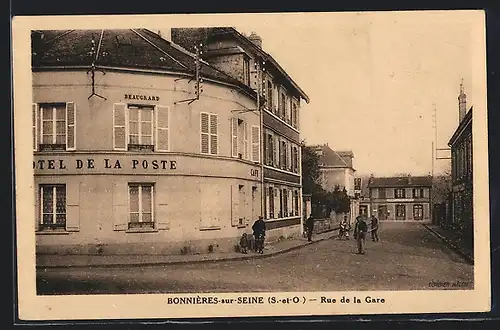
<point>374,80</point>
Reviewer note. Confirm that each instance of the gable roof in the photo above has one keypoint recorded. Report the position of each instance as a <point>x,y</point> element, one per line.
<point>124,48</point>
<point>329,158</point>
<point>400,181</point>
<point>462,127</point>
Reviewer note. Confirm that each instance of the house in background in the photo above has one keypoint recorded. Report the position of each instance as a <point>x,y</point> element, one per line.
<point>362,194</point>
<point>402,198</point>
<point>336,170</point>
<point>461,171</point>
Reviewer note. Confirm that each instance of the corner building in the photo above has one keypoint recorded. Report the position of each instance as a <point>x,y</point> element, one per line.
<point>123,164</point>
<point>129,156</point>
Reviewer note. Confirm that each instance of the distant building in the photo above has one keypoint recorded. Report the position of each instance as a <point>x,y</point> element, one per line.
<point>362,194</point>
<point>403,198</point>
<point>461,168</point>
<point>336,170</point>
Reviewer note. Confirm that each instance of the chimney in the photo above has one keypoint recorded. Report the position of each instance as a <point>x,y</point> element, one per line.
<point>409,178</point>
<point>255,39</point>
<point>462,103</point>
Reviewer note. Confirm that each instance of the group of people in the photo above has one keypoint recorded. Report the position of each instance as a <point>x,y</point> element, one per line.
<point>259,234</point>
<point>360,232</point>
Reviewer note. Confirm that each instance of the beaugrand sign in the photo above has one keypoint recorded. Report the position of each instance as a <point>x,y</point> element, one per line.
<point>141,97</point>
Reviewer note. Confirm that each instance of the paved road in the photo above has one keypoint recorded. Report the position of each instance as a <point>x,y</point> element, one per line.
<point>407,257</point>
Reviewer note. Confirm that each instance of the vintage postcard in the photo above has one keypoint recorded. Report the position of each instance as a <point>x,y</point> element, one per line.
<point>189,166</point>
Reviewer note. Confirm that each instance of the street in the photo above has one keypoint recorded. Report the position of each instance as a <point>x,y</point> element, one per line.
<point>407,257</point>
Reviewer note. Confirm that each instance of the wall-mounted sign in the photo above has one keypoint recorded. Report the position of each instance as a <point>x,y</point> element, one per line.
<point>254,172</point>
<point>140,97</point>
<point>106,163</point>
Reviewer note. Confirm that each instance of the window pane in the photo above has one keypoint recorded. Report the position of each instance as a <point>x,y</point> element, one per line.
<point>146,199</point>
<point>60,200</point>
<point>47,139</point>
<point>47,200</point>
<point>134,217</point>
<point>134,139</point>
<point>61,113</point>
<point>146,128</point>
<point>133,127</point>
<point>47,113</point>
<point>147,140</point>
<point>133,114</point>
<point>146,217</point>
<point>47,127</point>
<point>61,219</point>
<point>134,199</point>
<point>146,115</point>
<point>61,139</point>
<point>47,218</point>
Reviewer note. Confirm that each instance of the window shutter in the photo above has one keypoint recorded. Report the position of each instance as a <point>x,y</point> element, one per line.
<point>70,126</point>
<point>276,155</point>
<point>162,128</point>
<point>234,137</point>
<point>162,215</point>
<point>245,139</point>
<point>73,207</point>
<point>214,147</point>
<point>204,133</point>
<point>255,143</point>
<point>119,126</point>
<point>235,196</point>
<point>34,109</point>
<point>120,206</point>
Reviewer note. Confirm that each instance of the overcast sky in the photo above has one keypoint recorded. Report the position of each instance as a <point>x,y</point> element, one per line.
<point>373,79</point>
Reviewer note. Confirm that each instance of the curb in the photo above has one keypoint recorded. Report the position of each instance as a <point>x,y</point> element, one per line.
<point>184,262</point>
<point>450,244</point>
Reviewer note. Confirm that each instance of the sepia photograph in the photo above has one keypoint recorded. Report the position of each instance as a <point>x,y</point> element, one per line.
<point>251,164</point>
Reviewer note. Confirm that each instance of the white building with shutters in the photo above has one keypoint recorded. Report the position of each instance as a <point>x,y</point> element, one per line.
<point>125,161</point>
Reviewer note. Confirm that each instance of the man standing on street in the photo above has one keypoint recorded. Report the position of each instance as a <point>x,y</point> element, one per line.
<point>360,229</point>
<point>374,228</point>
<point>309,227</point>
<point>259,232</point>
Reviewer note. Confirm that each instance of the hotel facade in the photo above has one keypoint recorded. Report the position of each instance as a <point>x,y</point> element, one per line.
<point>142,146</point>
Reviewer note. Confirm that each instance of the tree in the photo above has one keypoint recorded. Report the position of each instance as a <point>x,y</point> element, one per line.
<point>441,187</point>
<point>310,171</point>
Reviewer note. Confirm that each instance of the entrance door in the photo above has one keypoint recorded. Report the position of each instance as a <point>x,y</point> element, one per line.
<point>382,212</point>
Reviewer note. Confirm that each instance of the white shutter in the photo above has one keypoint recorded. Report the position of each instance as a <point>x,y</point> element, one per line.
<point>70,126</point>
<point>204,128</point>
<point>119,126</point>
<point>34,109</point>
<point>255,143</point>
<point>235,205</point>
<point>245,140</point>
<point>162,116</point>
<point>214,145</point>
<point>234,137</point>
<point>120,206</point>
<point>276,146</point>
<point>73,207</point>
<point>162,214</point>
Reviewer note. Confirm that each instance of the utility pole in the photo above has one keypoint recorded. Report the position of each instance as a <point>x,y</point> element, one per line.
<point>260,68</point>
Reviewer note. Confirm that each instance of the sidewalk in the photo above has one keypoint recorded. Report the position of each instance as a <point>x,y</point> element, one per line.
<point>63,261</point>
<point>453,241</point>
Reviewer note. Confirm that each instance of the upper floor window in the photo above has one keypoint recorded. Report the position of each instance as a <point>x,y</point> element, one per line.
<point>209,133</point>
<point>399,193</point>
<point>239,138</point>
<point>282,106</point>
<point>295,115</point>
<point>269,94</point>
<point>140,127</point>
<point>381,192</point>
<point>54,126</point>
<point>418,192</point>
<point>357,183</point>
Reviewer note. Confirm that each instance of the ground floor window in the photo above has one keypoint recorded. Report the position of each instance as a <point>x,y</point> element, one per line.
<point>141,206</point>
<point>382,212</point>
<point>400,212</point>
<point>296,202</point>
<point>53,206</point>
<point>418,212</point>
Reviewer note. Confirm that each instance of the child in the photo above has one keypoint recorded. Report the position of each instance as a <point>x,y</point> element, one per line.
<point>243,243</point>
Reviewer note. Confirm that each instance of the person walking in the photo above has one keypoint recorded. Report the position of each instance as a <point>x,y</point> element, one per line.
<point>259,232</point>
<point>374,228</point>
<point>360,229</point>
<point>309,227</point>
